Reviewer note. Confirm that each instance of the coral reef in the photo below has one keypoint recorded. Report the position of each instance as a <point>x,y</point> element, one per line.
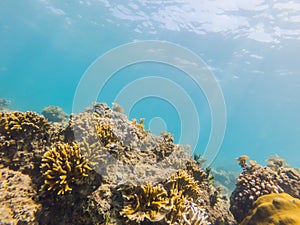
<point>170,202</point>
<point>193,214</point>
<point>276,162</point>
<point>274,209</point>
<point>4,103</point>
<point>117,108</point>
<point>101,168</point>
<point>55,114</point>
<point>225,179</point>
<point>17,199</point>
<point>257,180</point>
<point>151,202</point>
<point>62,166</point>
<point>23,137</point>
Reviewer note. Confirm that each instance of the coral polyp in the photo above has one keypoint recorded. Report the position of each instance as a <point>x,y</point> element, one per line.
<point>62,166</point>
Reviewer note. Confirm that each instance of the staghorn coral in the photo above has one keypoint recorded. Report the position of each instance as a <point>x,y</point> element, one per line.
<point>274,209</point>
<point>55,114</point>
<point>257,180</point>
<point>62,166</point>
<point>151,202</point>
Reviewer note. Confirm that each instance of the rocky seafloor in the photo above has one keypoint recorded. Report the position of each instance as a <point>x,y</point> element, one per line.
<point>98,167</point>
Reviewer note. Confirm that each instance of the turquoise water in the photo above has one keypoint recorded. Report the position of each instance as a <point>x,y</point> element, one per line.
<point>251,48</point>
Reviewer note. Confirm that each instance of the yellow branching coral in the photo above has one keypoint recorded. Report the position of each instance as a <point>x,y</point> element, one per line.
<point>17,128</point>
<point>151,202</point>
<point>91,150</point>
<point>62,166</point>
<point>181,188</point>
<point>106,134</point>
<point>23,137</point>
<point>183,182</point>
<point>141,132</point>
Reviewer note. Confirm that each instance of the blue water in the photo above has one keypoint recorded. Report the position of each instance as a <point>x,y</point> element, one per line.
<point>251,47</point>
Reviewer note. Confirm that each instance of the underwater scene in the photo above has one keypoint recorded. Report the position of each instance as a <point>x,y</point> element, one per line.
<point>149,112</point>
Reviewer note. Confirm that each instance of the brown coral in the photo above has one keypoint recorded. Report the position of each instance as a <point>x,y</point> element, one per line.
<point>16,196</point>
<point>23,136</point>
<point>257,180</point>
<point>106,134</point>
<point>151,202</point>
<point>54,114</point>
<point>62,166</point>
<point>275,209</point>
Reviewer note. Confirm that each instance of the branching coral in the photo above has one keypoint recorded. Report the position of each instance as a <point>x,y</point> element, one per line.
<point>21,128</point>
<point>22,137</point>
<point>106,134</point>
<point>193,214</point>
<point>276,162</point>
<point>148,201</point>
<point>181,187</point>
<point>183,182</point>
<point>257,180</point>
<point>141,132</point>
<point>62,166</point>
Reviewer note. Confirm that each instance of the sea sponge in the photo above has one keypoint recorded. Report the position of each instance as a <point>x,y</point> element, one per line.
<point>62,166</point>
<point>151,202</point>
<point>274,209</point>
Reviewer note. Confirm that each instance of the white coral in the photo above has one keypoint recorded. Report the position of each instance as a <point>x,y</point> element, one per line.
<point>194,214</point>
